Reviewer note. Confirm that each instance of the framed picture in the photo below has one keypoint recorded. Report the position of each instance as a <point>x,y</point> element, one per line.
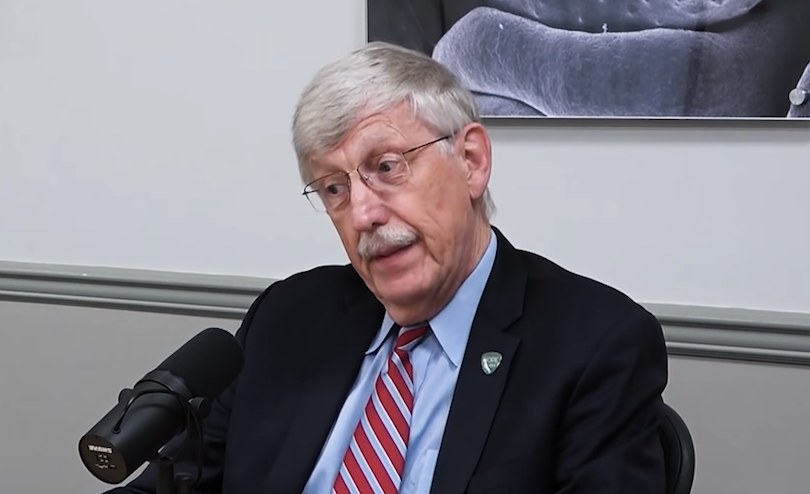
<point>717,59</point>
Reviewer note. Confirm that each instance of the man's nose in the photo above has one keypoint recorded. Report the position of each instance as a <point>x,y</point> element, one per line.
<point>367,208</point>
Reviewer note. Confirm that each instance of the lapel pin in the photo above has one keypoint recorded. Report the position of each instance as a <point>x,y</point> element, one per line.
<point>490,362</point>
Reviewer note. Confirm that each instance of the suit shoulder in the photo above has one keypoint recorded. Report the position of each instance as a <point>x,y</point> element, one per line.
<point>324,277</point>
<point>575,292</point>
<point>312,284</point>
<point>578,315</point>
<point>293,300</point>
<point>307,291</point>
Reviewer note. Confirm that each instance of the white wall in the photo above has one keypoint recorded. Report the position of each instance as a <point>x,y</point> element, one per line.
<point>748,423</point>
<point>155,135</point>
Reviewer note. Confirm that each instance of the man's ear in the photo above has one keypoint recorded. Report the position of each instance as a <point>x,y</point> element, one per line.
<point>476,153</point>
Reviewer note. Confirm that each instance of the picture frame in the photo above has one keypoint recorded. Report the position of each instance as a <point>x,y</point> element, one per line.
<point>614,59</point>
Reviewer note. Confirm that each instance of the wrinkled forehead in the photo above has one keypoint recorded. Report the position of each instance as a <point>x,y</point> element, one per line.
<point>371,136</point>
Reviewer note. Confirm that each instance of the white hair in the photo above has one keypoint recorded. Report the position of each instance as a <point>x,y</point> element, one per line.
<point>376,78</point>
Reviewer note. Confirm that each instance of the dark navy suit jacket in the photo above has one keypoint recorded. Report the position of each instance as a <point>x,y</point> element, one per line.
<point>573,407</point>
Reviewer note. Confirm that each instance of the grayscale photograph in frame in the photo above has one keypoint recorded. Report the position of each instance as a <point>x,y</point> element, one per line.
<point>685,59</point>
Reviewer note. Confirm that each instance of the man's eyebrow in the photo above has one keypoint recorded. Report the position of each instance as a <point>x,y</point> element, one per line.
<point>320,170</point>
<point>380,146</point>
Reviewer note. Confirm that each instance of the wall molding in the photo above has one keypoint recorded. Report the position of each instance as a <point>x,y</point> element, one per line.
<point>216,296</point>
<point>737,334</point>
<point>691,331</point>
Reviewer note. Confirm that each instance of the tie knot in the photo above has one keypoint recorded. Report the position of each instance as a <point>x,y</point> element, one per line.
<point>408,338</point>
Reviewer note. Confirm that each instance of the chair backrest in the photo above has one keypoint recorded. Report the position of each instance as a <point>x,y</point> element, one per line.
<point>679,452</point>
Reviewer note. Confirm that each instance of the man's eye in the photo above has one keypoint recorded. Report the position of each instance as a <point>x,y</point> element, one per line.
<point>334,189</point>
<point>386,166</point>
<point>389,164</point>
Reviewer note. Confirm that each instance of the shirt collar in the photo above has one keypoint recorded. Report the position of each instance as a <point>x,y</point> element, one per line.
<point>451,326</point>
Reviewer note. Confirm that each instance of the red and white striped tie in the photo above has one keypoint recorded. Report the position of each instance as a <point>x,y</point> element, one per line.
<point>376,455</point>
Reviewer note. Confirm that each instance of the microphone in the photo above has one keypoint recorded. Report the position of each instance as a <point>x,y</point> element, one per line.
<point>160,405</point>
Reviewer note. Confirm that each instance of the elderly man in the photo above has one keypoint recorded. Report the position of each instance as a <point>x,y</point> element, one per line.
<point>441,360</point>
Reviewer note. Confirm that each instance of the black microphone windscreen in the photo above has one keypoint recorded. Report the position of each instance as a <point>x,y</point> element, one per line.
<point>207,363</point>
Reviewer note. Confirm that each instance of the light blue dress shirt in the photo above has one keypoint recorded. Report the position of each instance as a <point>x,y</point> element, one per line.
<point>436,361</point>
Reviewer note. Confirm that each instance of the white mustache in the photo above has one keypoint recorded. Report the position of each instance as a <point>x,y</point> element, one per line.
<point>384,239</point>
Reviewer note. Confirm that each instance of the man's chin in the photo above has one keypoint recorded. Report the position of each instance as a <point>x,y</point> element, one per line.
<point>406,307</point>
<point>400,292</point>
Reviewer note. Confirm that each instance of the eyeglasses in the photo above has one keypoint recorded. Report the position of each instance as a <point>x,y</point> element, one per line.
<point>382,173</point>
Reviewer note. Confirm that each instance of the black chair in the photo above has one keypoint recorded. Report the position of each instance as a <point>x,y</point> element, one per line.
<point>679,452</point>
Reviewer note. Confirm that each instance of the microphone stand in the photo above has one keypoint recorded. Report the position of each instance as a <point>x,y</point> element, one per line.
<point>196,409</point>
<point>167,481</point>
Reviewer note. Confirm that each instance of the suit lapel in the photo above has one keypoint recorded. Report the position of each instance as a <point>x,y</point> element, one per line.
<point>477,393</point>
<point>334,363</point>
